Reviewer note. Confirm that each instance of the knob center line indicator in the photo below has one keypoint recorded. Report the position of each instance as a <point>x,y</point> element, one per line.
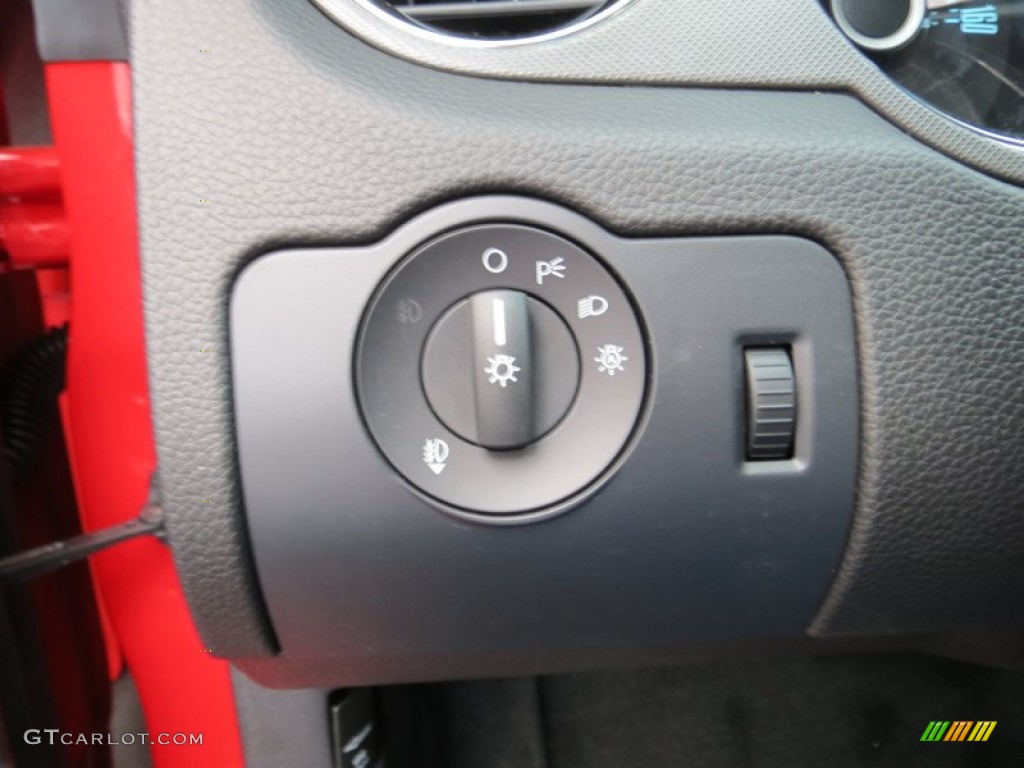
<point>498,310</point>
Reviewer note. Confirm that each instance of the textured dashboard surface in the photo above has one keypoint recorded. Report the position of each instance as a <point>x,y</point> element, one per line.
<point>778,44</point>
<point>260,125</point>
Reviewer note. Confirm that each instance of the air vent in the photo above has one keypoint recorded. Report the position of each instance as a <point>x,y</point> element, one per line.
<point>496,20</point>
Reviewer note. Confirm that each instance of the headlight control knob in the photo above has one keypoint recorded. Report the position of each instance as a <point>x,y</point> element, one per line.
<point>500,369</point>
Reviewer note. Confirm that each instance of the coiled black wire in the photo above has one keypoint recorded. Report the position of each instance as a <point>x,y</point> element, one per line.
<point>29,385</point>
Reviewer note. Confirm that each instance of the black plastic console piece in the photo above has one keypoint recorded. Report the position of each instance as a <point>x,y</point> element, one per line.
<point>680,538</point>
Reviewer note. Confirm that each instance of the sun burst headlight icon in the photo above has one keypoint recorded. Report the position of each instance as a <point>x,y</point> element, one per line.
<point>610,359</point>
<point>502,369</point>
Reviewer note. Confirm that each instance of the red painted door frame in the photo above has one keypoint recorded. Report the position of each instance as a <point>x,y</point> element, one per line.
<point>183,689</point>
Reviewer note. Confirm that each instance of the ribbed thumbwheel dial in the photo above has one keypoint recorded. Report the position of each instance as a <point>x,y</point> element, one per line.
<point>771,404</point>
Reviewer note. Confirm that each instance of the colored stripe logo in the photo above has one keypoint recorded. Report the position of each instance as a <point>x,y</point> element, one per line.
<point>958,730</point>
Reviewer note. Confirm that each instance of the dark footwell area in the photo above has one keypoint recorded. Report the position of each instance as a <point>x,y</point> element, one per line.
<point>817,711</point>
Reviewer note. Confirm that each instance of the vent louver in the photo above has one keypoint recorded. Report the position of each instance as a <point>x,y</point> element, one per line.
<point>495,19</point>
